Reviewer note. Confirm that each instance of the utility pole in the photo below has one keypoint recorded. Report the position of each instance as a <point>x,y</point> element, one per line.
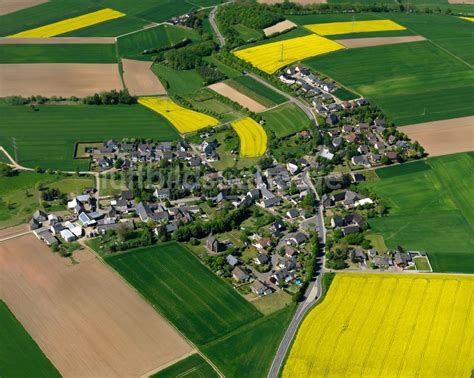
<point>15,149</point>
<point>281,53</point>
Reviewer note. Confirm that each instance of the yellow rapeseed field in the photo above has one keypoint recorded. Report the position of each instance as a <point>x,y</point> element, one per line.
<point>272,56</point>
<point>388,325</point>
<point>183,119</point>
<point>70,24</point>
<point>253,138</point>
<point>347,27</point>
<point>468,18</point>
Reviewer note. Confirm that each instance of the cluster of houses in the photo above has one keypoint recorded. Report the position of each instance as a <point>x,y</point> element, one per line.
<point>129,154</point>
<point>368,140</point>
<point>319,92</point>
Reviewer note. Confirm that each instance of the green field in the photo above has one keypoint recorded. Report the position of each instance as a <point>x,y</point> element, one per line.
<point>61,53</point>
<point>192,367</point>
<point>249,351</point>
<point>413,82</point>
<point>256,90</point>
<point>344,94</point>
<point>430,209</point>
<point>286,120</point>
<point>246,33</point>
<point>20,194</point>
<point>132,45</point>
<point>178,82</point>
<point>47,137</point>
<point>193,298</point>
<point>112,28</point>
<point>20,356</point>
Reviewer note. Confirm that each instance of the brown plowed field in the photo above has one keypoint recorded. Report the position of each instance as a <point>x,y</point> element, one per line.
<point>10,6</point>
<point>84,317</point>
<point>139,79</point>
<point>56,41</point>
<point>445,137</point>
<point>278,28</point>
<point>378,41</point>
<point>233,94</point>
<point>58,79</point>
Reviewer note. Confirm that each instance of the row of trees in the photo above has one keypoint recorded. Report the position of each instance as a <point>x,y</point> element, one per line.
<point>111,98</point>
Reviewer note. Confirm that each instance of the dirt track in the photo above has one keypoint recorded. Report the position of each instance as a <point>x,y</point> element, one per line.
<point>10,6</point>
<point>56,40</point>
<point>443,137</point>
<point>229,92</point>
<point>139,79</point>
<point>278,28</point>
<point>58,79</point>
<point>378,41</point>
<point>84,317</point>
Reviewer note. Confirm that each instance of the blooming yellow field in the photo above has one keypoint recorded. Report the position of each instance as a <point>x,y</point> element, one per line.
<point>468,18</point>
<point>183,119</point>
<point>253,138</point>
<point>272,56</point>
<point>386,325</point>
<point>333,28</point>
<point>70,24</point>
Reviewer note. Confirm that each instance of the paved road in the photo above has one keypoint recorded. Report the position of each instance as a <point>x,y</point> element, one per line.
<point>307,109</point>
<point>212,20</point>
<point>312,293</point>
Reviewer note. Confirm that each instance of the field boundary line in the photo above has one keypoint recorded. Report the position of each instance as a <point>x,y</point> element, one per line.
<point>142,29</point>
<point>197,350</point>
<point>167,365</point>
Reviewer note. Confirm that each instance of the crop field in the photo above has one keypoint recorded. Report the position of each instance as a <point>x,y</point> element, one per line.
<point>193,366</point>
<point>185,120</point>
<point>412,82</point>
<point>286,120</point>
<point>83,316</point>
<point>191,297</point>
<point>19,354</point>
<point>132,45</point>
<point>226,90</point>
<point>272,56</point>
<point>471,19</point>
<point>349,27</point>
<point>253,138</point>
<point>256,90</point>
<point>47,137</point>
<point>60,53</point>
<point>384,325</point>
<point>70,24</point>
<point>430,210</point>
<point>178,82</point>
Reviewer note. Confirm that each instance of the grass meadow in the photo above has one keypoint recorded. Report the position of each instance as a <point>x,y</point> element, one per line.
<point>413,82</point>
<point>19,354</point>
<point>132,45</point>
<point>257,91</point>
<point>191,297</point>
<point>286,120</point>
<point>192,366</point>
<point>407,325</point>
<point>61,53</point>
<point>47,137</point>
<point>429,210</point>
<point>178,82</point>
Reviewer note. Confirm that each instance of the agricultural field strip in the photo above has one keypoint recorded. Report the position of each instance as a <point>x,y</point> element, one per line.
<point>378,41</point>
<point>253,138</point>
<point>350,27</point>
<point>10,6</point>
<point>272,56</point>
<point>185,120</point>
<point>139,79</point>
<point>226,90</point>
<point>70,24</point>
<point>56,40</point>
<point>361,327</point>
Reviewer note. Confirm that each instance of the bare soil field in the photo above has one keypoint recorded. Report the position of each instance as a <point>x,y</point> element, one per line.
<point>58,79</point>
<point>378,41</point>
<point>10,231</point>
<point>443,137</point>
<point>139,79</point>
<point>302,2</point>
<point>229,92</point>
<point>84,317</point>
<point>57,41</point>
<point>278,28</point>
<point>10,6</point>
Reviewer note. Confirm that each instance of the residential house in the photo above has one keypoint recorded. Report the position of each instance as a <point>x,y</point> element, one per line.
<point>214,245</point>
<point>258,288</point>
<point>240,274</point>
